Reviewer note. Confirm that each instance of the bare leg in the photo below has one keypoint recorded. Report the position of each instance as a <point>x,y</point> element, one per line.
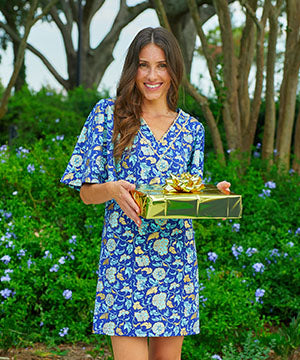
<point>165,348</point>
<point>129,348</point>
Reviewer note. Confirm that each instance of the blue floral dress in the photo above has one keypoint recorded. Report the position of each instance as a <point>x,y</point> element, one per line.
<point>148,276</point>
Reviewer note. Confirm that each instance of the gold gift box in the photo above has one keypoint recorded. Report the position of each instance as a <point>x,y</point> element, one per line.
<point>209,203</point>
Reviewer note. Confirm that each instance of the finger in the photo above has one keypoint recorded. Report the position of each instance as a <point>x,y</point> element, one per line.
<point>127,185</point>
<point>131,202</point>
<point>131,214</point>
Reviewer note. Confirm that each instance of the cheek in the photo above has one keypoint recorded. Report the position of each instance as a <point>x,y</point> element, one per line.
<point>140,74</point>
<point>165,75</point>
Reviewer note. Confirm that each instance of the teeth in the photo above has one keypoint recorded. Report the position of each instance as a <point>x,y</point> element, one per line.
<point>152,86</point>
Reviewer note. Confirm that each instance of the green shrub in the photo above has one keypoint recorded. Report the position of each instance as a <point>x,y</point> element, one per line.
<point>248,268</point>
<point>36,115</point>
<point>50,243</point>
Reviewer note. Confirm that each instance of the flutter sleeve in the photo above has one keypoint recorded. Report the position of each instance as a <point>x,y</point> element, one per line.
<point>88,163</point>
<point>196,163</point>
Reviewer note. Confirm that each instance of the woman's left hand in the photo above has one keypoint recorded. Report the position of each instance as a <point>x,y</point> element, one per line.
<point>224,186</point>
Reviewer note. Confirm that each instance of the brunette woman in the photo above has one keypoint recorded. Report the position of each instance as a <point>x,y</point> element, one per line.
<point>148,275</point>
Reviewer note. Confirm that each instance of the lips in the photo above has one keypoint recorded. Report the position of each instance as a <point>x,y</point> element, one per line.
<point>152,86</point>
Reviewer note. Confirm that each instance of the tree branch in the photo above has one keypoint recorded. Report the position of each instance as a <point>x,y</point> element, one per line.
<point>19,60</point>
<point>126,14</point>
<point>65,30</point>
<point>90,9</point>
<point>15,37</point>
<point>210,62</point>
<point>161,13</point>
<point>202,100</point>
<point>45,11</point>
<point>251,13</point>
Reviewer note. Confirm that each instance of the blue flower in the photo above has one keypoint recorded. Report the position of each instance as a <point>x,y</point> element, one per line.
<point>73,239</point>
<point>297,231</point>
<point>67,294</point>
<point>30,168</point>
<point>270,185</point>
<point>237,251</point>
<point>216,357</point>
<point>236,227</point>
<point>6,259</point>
<point>63,331</point>
<point>256,154</point>
<point>274,252</point>
<point>21,253</point>
<point>29,263</point>
<point>251,251</point>
<point>47,255</point>
<point>259,267</point>
<point>5,278</point>
<point>6,293</point>
<point>258,294</point>
<point>54,268</point>
<point>265,193</point>
<point>290,244</point>
<point>62,260</point>
<point>212,256</point>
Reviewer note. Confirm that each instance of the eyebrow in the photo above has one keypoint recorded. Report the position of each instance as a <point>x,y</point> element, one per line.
<point>160,61</point>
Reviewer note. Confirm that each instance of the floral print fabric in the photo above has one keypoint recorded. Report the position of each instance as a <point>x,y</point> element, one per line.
<point>148,276</point>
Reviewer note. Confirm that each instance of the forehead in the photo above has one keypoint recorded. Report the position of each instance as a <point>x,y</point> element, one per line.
<point>152,52</point>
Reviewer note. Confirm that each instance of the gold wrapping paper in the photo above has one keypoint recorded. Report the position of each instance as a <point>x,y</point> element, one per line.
<point>208,203</point>
<point>185,182</point>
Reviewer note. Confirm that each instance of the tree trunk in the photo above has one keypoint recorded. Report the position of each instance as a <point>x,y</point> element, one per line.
<point>185,32</point>
<point>270,112</point>
<point>249,132</point>
<point>289,86</point>
<point>247,48</point>
<point>11,21</point>
<point>218,145</point>
<point>296,161</point>
<point>30,21</point>
<point>21,79</point>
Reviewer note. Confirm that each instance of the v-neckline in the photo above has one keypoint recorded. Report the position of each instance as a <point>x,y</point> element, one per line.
<point>144,122</point>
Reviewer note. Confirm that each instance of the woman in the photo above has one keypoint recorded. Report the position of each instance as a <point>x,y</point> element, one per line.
<point>148,276</point>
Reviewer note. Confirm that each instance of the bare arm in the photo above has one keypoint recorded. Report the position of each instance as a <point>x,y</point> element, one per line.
<point>117,190</point>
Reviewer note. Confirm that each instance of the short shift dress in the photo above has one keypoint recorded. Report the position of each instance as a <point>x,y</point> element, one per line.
<point>148,276</point>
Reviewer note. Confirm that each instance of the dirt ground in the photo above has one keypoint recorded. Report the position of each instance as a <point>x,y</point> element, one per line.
<point>66,352</point>
<point>79,352</point>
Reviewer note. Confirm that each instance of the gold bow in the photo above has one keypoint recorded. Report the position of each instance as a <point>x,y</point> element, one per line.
<point>183,183</point>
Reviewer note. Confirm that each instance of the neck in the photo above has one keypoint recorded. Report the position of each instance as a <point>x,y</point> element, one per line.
<point>155,107</point>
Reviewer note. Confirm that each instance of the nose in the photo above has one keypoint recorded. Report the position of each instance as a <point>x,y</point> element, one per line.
<point>152,73</point>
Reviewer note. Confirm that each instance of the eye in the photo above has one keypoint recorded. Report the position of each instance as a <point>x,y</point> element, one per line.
<point>163,65</point>
<point>142,65</point>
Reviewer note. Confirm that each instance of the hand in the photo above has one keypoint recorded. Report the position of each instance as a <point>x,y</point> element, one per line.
<point>120,191</point>
<point>224,186</point>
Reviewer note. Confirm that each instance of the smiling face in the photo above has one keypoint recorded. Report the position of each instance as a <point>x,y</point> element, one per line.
<point>152,78</point>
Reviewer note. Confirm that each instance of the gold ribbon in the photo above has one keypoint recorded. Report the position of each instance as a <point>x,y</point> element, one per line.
<point>185,182</point>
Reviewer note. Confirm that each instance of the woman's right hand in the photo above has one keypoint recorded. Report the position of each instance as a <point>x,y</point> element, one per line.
<point>120,191</point>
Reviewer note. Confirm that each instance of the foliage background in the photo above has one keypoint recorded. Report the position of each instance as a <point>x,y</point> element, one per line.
<point>50,242</point>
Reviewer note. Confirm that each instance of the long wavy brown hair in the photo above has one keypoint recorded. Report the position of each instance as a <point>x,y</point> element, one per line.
<point>127,112</point>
